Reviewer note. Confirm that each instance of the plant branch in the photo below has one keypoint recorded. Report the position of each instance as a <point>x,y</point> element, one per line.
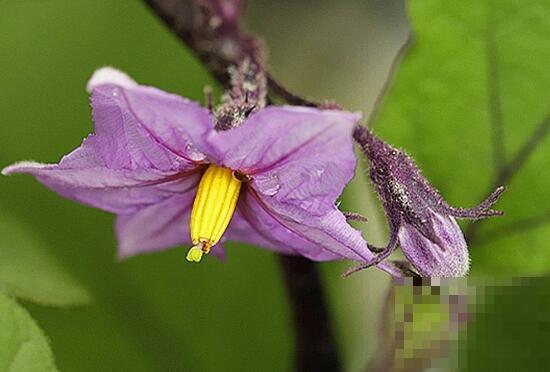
<point>315,344</point>
<point>288,96</point>
<point>210,28</point>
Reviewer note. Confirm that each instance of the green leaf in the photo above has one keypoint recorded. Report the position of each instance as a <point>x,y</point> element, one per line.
<point>471,92</point>
<point>27,271</point>
<point>23,346</point>
<point>510,329</point>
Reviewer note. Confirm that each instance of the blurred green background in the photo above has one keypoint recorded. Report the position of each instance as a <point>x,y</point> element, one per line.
<point>155,312</point>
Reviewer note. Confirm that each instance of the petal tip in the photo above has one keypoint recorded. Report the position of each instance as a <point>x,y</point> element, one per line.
<point>125,247</point>
<point>358,115</point>
<point>122,255</point>
<point>109,75</point>
<point>7,170</point>
<point>21,167</point>
<point>125,250</point>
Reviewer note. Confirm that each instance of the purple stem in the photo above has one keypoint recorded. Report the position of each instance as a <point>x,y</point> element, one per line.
<point>315,343</point>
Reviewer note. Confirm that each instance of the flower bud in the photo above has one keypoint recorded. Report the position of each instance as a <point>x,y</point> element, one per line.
<point>420,220</point>
<point>449,258</point>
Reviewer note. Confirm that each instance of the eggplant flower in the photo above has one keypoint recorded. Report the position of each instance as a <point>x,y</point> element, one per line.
<point>157,161</point>
<point>420,220</point>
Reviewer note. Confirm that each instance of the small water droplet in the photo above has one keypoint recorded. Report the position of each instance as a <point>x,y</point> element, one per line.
<point>193,153</point>
<point>115,92</point>
<point>272,191</point>
<point>268,185</point>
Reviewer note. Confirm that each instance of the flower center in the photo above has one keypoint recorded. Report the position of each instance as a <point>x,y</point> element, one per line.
<point>213,208</point>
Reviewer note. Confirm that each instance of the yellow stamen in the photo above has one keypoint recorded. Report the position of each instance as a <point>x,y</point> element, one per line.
<point>213,208</point>
<point>194,254</point>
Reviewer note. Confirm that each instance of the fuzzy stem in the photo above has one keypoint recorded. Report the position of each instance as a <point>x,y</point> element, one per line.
<point>315,344</point>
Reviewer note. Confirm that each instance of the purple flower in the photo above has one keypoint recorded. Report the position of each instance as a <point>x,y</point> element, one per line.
<point>157,162</point>
<point>420,220</point>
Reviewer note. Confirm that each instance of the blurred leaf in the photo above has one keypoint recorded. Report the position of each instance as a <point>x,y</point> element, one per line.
<point>510,329</point>
<point>23,346</point>
<point>28,272</point>
<point>470,93</point>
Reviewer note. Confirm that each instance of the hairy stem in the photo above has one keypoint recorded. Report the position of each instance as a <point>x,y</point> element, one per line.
<point>315,344</point>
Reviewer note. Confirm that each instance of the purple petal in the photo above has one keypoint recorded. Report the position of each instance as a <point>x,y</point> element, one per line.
<point>243,229</point>
<point>116,191</point>
<point>141,153</point>
<point>430,259</point>
<point>144,127</point>
<point>159,226</point>
<point>254,225</point>
<point>295,155</point>
<point>300,159</point>
<point>323,238</point>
